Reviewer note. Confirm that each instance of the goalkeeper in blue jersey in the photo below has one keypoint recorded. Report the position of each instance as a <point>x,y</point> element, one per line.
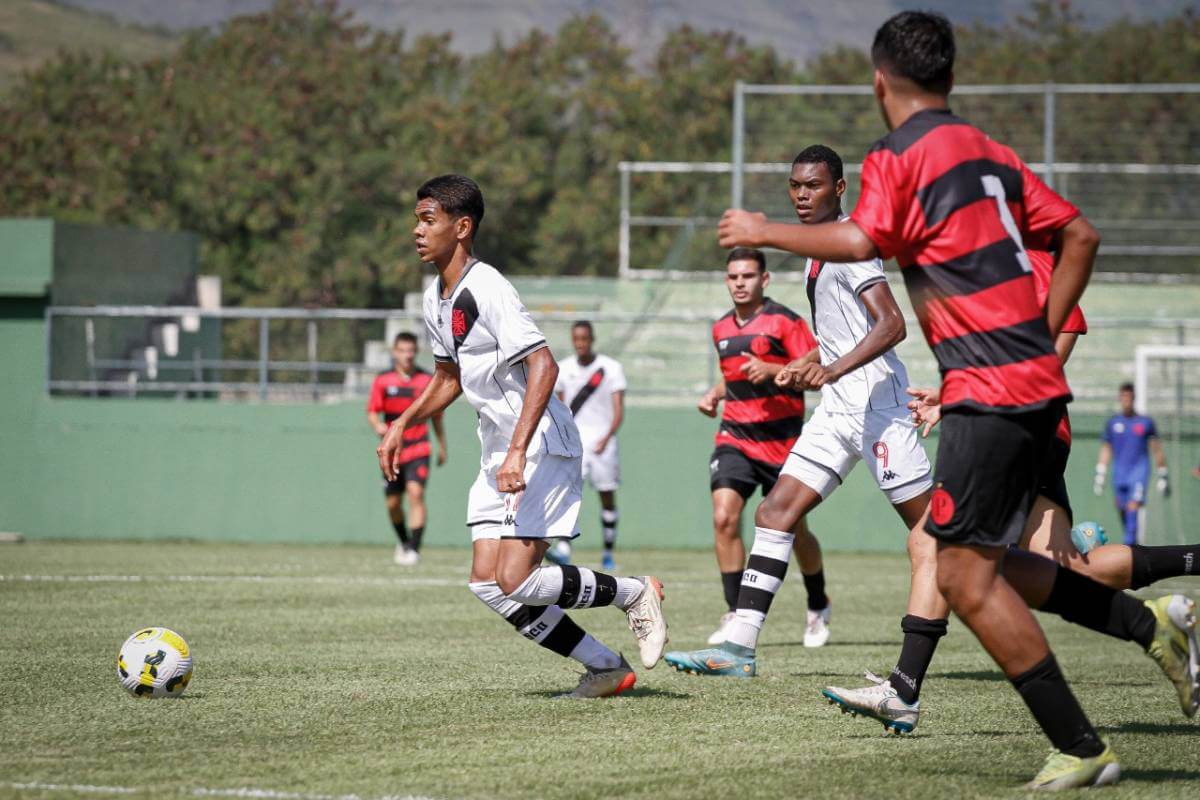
<point>1129,440</point>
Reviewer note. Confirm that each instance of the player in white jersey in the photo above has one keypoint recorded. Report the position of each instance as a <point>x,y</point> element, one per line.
<point>486,346</point>
<point>593,387</point>
<point>862,416</point>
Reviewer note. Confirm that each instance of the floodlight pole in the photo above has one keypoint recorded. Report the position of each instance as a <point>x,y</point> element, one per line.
<point>738,155</point>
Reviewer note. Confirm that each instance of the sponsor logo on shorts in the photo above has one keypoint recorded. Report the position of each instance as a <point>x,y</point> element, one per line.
<point>941,506</point>
<point>713,466</point>
<point>888,475</point>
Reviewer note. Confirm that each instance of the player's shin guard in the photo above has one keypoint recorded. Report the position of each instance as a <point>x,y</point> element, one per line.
<point>1079,599</point>
<point>920,641</point>
<point>1152,564</point>
<point>763,577</point>
<point>576,587</point>
<point>608,525</point>
<point>548,626</point>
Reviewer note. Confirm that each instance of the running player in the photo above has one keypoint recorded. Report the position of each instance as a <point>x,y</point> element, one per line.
<point>1129,439</point>
<point>391,393</point>
<point>952,206</point>
<point>761,420</point>
<point>862,416</point>
<point>486,346</point>
<point>1048,533</point>
<point>593,387</point>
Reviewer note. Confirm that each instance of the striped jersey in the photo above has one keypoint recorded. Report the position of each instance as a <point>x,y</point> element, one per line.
<point>391,394</point>
<point>1043,268</point>
<point>954,208</point>
<point>762,420</point>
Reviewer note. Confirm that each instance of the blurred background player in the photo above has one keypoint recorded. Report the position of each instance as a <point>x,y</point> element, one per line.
<point>391,393</point>
<point>487,347</point>
<point>862,416</point>
<point>593,387</point>
<point>1128,441</point>
<point>760,422</point>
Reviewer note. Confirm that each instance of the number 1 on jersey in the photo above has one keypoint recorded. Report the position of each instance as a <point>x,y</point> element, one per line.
<point>993,187</point>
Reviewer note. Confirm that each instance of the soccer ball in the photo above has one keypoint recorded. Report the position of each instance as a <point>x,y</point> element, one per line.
<point>1088,536</point>
<point>154,662</point>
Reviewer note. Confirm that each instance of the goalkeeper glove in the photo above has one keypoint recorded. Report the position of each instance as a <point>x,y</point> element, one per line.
<point>1163,484</point>
<point>1098,481</point>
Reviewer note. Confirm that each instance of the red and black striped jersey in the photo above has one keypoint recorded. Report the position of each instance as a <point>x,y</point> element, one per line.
<point>1043,269</point>
<point>762,420</point>
<point>391,394</point>
<point>954,208</point>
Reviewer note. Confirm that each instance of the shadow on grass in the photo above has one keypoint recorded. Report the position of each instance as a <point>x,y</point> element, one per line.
<point>830,644</point>
<point>1185,728</point>
<point>1158,775</point>
<point>971,675</point>
<point>637,691</point>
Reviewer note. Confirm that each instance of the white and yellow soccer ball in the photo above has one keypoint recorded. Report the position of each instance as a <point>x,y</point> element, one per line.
<point>155,662</point>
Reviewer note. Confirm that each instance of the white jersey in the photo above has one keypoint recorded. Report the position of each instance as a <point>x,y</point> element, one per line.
<point>840,322</point>
<point>484,328</point>
<point>588,392</point>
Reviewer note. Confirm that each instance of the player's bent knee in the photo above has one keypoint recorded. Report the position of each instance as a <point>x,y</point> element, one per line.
<point>768,515</point>
<point>510,577</point>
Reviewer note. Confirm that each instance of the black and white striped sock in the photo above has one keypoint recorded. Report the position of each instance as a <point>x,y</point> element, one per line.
<point>762,578</point>
<point>569,586</point>
<point>608,526</point>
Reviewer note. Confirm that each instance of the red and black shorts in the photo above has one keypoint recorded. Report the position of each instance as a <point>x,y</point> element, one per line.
<point>989,468</point>
<point>730,468</point>
<point>415,470</point>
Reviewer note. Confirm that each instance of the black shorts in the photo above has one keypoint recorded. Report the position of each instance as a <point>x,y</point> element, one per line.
<point>1053,481</point>
<point>988,470</point>
<point>730,468</point>
<point>416,470</point>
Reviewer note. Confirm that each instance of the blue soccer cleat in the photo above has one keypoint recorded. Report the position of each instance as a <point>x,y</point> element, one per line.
<point>714,661</point>
<point>1087,536</point>
<point>607,563</point>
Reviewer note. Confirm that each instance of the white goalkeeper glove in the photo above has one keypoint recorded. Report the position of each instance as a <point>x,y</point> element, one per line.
<point>1098,481</point>
<point>1163,484</point>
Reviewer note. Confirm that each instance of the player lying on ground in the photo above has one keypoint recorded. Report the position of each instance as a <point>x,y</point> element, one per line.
<point>862,416</point>
<point>391,393</point>
<point>954,207</point>
<point>1048,533</point>
<point>593,387</point>
<point>1129,439</point>
<point>529,488</point>
<point>759,424</point>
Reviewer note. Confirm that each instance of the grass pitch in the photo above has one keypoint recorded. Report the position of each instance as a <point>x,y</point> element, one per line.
<point>327,672</point>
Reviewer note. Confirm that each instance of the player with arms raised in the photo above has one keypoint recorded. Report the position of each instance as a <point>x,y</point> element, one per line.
<point>953,207</point>
<point>391,393</point>
<point>862,416</point>
<point>593,387</point>
<point>486,346</point>
<point>759,424</point>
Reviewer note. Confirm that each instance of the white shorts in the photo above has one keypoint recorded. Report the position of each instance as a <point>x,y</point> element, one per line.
<point>548,508</point>
<point>602,470</point>
<point>831,444</point>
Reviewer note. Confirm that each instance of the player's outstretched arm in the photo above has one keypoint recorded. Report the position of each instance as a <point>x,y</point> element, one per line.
<point>541,372</point>
<point>443,388</point>
<point>1078,243</point>
<point>888,331</point>
<point>827,241</point>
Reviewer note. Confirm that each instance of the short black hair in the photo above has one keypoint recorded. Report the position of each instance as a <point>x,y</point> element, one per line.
<point>405,336</point>
<point>1126,387</point>
<point>583,323</point>
<point>918,45</point>
<point>820,154</point>
<point>458,195</point>
<point>747,254</point>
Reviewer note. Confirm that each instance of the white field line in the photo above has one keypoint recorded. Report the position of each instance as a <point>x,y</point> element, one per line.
<point>259,794</point>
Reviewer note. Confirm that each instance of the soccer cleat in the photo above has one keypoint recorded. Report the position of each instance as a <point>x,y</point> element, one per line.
<point>607,563</point>
<point>1174,647</point>
<point>714,661</point>
<point>405,556</point>
<point>604,682</point>
<point>1062,771</point>
<point>647,622</point>
<point>878,701</point>
<point>722,632</point>
<point>559,553</point>
<point>816,631</point>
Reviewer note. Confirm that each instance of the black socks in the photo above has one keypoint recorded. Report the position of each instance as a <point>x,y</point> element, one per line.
<point>732,583</point>
<point>401,532</point>
<point>920,640</point>
<point>815,586</point>
<point>1056,710</point>
<point>1152,564</point>
<point>415,540</point>
<point>1079,599</point>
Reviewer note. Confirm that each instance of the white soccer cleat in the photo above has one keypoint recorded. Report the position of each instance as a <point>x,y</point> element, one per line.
<point>816,630</point>
<point>722,632</point>
<point>878,701</point>
<point>405,556</point>
<point>647,622</point>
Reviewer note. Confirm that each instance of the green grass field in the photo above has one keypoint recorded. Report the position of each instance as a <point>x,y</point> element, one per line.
<point>326,672</point>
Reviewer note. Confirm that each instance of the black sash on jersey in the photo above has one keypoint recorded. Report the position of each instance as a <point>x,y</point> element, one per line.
<point>814,273</point>
<point>587,391</point>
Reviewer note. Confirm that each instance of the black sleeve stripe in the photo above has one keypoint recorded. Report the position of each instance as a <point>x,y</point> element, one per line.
<point>868,283</point>
<point>526,351</point>
<point>443,359</point>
